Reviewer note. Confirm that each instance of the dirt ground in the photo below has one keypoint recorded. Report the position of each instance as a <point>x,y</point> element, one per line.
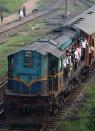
<point>29,4</point>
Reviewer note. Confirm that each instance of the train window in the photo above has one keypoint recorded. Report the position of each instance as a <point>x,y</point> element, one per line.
<point>28,58</point>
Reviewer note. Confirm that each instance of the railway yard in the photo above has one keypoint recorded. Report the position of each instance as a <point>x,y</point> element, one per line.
<point>76,110</point>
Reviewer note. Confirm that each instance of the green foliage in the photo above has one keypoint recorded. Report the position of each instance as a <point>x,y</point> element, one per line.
<point>86,115</point>
<point>11,5</point>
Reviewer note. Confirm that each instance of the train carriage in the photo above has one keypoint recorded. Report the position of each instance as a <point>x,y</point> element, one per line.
<point>87,28</point>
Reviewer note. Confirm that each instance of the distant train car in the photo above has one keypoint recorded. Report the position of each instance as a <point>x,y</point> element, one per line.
<point>39,75</point>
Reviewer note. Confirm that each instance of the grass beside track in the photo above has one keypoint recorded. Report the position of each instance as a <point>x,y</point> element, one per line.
<point>86,121</point>
<point>11,5</point>
<point>43,4</point>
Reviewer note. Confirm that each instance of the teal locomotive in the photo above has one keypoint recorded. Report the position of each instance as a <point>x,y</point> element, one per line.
<point>42,74</point>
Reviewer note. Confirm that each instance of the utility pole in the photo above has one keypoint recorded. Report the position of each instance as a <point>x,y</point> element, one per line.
<point>65,7</point>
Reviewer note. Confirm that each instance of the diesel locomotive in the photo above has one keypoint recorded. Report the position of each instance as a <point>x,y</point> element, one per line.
<point>39,74</point>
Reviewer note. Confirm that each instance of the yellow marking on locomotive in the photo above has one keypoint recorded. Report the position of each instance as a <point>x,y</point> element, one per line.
<point>37,80</point>
<point>57,75</point>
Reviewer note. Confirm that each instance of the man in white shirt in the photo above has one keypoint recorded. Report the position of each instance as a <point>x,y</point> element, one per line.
<point>65,64</point>
<point>84,43</point>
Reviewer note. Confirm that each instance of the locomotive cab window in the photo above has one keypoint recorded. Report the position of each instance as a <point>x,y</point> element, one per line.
<point>28,59</point>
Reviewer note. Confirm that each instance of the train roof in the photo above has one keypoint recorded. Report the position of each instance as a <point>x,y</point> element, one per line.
<point>59,38</point>
<point>85,21</point>
<point>50,43</point>
<point>67,34</point>
<point>44,48</point>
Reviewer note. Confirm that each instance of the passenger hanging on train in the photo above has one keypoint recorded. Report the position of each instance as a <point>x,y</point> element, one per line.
<point>69,58</point>
<point>72,54</point>
<point>89,55</point>
<point>77,56</point>
<point>84,43</point>
<point>73,58</point>
<point>91,49</point>
<point>66,66</point>
<point>70,63</point>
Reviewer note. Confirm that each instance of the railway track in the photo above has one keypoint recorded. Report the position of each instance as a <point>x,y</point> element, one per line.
<point>71,103</point>
<point>41,13</point>
<point>31,17</point>
<point>89,3</point>
<point>63,113</point>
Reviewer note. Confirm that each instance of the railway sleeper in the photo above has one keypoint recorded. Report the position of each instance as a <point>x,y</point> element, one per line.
<point>59,116</point>
<point>55,122</point>
<point>52,125</point>
<point>68,104</point>
<point>63,111</point>
<point>71,100</point>
<point>57,119</point>
<point>74,94</point>
<point>60,113</point>
<point>63,108</point>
